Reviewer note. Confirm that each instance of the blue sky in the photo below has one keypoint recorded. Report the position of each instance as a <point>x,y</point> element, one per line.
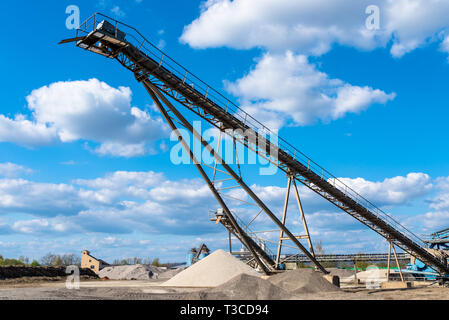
<point>368,105</point>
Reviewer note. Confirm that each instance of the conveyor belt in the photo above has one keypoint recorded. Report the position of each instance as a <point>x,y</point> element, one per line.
<point>147,62</point>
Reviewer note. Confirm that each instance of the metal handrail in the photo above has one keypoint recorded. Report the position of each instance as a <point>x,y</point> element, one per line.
<point>258,240</point>
<point>227,105</point>
<point>247,230</point>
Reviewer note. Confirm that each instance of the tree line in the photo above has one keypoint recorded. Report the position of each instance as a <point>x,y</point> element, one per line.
<point>132,261</point>
<point>50,259</point>
<point>57,260</point>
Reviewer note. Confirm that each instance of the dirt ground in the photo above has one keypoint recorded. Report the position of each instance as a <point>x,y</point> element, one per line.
<point>43,289</point>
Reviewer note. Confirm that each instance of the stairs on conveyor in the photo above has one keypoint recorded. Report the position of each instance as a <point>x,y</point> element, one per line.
<point>243,237</point>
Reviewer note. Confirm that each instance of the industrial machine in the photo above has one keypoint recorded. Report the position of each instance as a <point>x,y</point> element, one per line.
<point>173,88</point>
<point>107,28</point>
<point>439,240</point>
<point>197,254</point>
<point>438,245</point>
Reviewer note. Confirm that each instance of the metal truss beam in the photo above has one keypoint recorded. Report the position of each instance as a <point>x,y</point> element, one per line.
<point>282,238</point>
<point>252,247</point>
<point>234,175</point>
<point>345,257</point>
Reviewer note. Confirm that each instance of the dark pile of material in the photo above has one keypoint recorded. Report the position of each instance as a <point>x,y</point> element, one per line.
<point>19,272</point>
<point>246,287</point>
<point>303,281</point>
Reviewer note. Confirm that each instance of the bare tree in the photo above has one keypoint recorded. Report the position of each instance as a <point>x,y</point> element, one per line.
<point>47,259</point>
<point>24,260</point>
<point>56,262</point>
<point>124,262</point>
<point>70,260</point>
<point>318,248</point>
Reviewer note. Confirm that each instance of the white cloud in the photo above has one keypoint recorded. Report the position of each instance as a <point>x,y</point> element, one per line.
<point>392,191</point>
<point>43,199</point>
<point>38,226</point>
<point>124,183</point>
<point>312,27</point>
<point>4,230</point>
<point>442,183</point>
<point>25,132</point>
<point>120,242</point>
<point>120,202</point>
<point>275,196</point>
<point>437,216</point>
<point>50,200</point>
<point>445,45</point>
<point>116,10</point>
<point>286,88</point>
<point>122,150</point>
<point>440,201</point>
<point>324,216</point>
<point>71,163</point>
<point>413,23</point>
<point>186,191</point>
<point>129,203</point>
<point>430,222</point>
<point>161,44</point>
<point>10,170</point>
<point>85,110</point>
<point>147,202</point>
<point>325,221</point>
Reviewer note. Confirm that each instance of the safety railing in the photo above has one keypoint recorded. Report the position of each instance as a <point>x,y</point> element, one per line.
<point>260,242</point>
<point>134,37</point>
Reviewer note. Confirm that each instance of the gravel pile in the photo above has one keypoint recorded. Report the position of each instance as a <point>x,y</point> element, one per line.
<point>214,270</point>
<point>342,273</point>
<point>246,287</point>
<point>377,275</point>
<point>168,274</point>
<point>135,272</point>
<point>303,281</point>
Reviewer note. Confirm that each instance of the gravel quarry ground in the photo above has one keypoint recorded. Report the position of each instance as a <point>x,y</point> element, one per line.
<point>220,276</point>
<point>151,290</point>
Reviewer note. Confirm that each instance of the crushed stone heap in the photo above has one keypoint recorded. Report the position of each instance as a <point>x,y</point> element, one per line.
<point>246,287</point>
<point>303,281</point>
<point>135,272</point>
<point>212,271</point>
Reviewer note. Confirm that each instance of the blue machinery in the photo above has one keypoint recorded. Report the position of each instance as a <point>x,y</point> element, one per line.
<point>439,240</point>
<point>197,254</point>
<point>170,84</point>
<point>438,243</point>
